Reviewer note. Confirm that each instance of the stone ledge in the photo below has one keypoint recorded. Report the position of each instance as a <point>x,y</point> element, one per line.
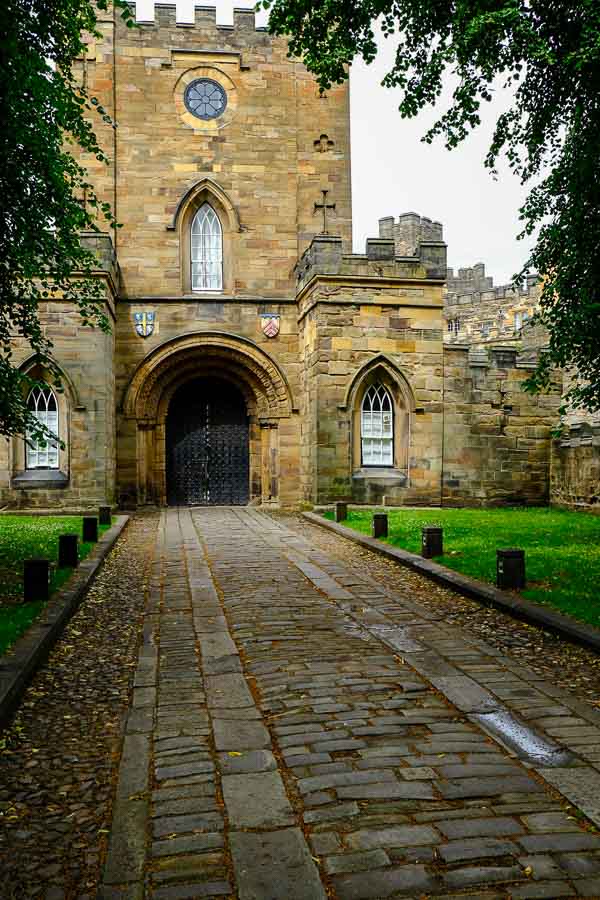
<point>34,479</point>
<point>586,635</point>
<point>388,474</point>
<point>19,665</point>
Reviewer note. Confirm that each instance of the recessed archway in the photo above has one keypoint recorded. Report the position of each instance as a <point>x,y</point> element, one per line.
<point>236,362</point>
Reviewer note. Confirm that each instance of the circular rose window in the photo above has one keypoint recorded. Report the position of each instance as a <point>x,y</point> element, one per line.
<point>205,98</point>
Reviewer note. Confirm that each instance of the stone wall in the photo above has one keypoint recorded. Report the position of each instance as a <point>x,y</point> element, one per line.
<point>346,321</point>
<point>264,162</point>
<point>575,478</point>
<point>233,331</point>
<point>363,319</point>
<point>576,457</point>
<point>86,474</point>
<point>497,439</point>
<point>486,317</point>
<point>477,312</point>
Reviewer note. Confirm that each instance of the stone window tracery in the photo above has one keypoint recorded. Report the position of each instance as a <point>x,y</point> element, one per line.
<point>377,427</point>
<point>207,250</point>
<point>42,404</point>
<point>205,98</point>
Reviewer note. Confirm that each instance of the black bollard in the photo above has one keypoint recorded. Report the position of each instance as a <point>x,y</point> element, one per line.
<point>67,551</point>
<point>36,580</point>
<point>90,529</point>
<point>341,512</point>
<point>432,541</point>
<point>380,525</point>
<point>510,569</point>
<point>104,515</point>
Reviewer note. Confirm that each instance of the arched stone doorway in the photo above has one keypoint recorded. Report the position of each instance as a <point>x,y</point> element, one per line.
<point>207,445</point>
<point>234,360</point>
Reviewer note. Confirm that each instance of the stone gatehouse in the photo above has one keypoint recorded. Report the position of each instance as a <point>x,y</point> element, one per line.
<point>253,357</point>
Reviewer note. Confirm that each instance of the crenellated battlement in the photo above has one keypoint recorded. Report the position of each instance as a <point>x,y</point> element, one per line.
<point>410,232</point>
<point>508,292</point>
<point>326,256</point>
<point>471,286</point>
<point>478,311</point>
<point>179,13</point>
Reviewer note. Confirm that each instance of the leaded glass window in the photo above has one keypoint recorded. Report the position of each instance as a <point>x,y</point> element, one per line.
<point>377,427</point>
<point>42,403</point>
<point>205,98</point>
<point>207,251</point>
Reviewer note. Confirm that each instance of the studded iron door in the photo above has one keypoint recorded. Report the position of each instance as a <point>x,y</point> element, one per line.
<point>207,445</point>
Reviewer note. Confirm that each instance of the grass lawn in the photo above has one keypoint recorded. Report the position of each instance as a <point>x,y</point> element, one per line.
<point>562,548</point>
<point>23,537</point>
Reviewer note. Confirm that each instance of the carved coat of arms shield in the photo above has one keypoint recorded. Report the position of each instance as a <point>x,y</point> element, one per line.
<point>269,324</point>
<point>144,323</point>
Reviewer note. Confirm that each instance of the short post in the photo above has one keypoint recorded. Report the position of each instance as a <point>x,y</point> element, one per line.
<point>90,529</point>
<point>36,580</point>
<point>104,515</point>
<point>341,512</point>
<point>432,541</point>
<point>380,525</point>
<point>510,569</point>
<point>67,551</point>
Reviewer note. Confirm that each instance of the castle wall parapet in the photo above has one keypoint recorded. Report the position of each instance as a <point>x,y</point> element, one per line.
<point>477,311</point>
<point>177,12</point>
<point>412,248</point>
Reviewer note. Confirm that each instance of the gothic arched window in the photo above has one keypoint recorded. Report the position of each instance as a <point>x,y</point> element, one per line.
<point>207,250</point>
<point>377,427</point>
<point>43,455</point>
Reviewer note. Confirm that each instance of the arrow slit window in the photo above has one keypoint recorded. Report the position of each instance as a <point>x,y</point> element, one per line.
<point>207,250</point>
<point>42,404</point>
<point>377,427</point>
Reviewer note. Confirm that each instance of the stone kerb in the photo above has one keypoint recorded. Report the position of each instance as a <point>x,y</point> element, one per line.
<point>583,634</point>
<point>29,652</point>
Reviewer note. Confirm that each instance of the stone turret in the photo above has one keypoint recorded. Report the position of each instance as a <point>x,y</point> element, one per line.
<point>410,232</point>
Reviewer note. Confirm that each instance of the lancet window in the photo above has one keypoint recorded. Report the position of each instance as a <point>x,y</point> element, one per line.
<point>207,250</point>
<point>377,427</point>
<point>43,454</point>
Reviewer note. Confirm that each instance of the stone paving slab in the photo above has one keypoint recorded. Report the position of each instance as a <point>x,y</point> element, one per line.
<point>275,865</point>
<point>311,735</point>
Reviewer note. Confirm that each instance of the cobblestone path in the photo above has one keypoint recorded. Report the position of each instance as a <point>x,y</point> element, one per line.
<point>291,738</point>
<point>59,753</point>
<point>564,665</point>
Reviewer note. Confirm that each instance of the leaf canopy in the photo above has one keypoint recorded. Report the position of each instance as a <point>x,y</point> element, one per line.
<point>47,199</point>
<point>547,53</point>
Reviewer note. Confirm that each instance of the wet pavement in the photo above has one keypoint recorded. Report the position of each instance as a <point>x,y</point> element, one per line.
<point>298,729</point>
<point>299,740</point>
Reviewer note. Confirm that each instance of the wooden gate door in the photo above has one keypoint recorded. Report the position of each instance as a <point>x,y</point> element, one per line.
<point>207,445</point>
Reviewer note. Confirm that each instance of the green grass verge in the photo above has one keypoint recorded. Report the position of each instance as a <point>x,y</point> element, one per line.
<point>562,548</point>
<point>23,537</point>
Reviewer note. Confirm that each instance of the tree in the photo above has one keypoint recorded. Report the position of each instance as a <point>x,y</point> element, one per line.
<point>45,112</point>
<point>547,52</point>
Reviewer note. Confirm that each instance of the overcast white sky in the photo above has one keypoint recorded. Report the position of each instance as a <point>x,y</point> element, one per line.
<point>393,172</point>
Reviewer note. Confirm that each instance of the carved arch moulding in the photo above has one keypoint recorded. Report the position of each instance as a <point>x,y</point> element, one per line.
<point>207,190</point>
<point>237,359</point>
<point>31,366</point>
<point>384,366</point>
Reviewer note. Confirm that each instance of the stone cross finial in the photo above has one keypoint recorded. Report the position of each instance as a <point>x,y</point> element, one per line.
<point>324,144</point>
<point>324,206</point>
